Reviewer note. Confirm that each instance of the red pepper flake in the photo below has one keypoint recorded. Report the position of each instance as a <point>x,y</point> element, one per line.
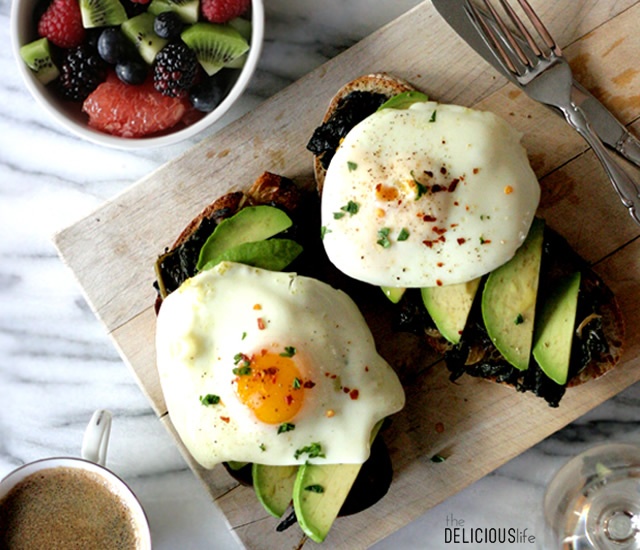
<point>225,419</point>
<point>439,427</point>
<point>346,390</point>
<point>261,324</point>
<point>366,368</point>
<point>439,230</point>
<point>439,282</point>
<point>354,394</point>
<point>429,218</point>
<point>288,399</point>
<point>462,240</point>
<point>443,170</point>
<point>453,185</point>
<point>309,384</point>
<point>476,170</point>
<point>440,264</point>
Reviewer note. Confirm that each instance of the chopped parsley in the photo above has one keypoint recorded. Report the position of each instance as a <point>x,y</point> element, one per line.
<point>244,335</point>
<point>245,370</point>
<point>314,488</point>
<point>314,451</point>
<point>297,384</point>
<point>210,399</point>
<point>286,427</point>
<point>350,208</point>
<point>438,458</point>
<point>403,235</point>
<point>323,231</point>
<point>420,188</point>
<point>352,165</point>
<point>383,237</point>
<point>519,319</point>
<point>263,447</point>
<point>289,351</point>
<point>433,117</point>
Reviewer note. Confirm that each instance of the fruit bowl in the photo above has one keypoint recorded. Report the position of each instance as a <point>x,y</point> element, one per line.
<point>69,114</point>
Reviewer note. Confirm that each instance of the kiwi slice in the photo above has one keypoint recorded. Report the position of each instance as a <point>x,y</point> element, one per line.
<point>187,10</point>
<point>37,56</point>
<point>102,13</point>
<point>139,30</point>
<point>215,45</point>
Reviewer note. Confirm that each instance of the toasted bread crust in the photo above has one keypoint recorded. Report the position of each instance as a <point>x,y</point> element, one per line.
<point>381,83</point>
<point>268,188</point>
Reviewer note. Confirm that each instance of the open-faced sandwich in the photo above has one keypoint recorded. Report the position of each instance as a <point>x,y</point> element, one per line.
<point>272,373</point>
<point>437,205</point>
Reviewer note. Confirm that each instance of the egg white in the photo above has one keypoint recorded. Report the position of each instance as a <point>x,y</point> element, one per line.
<point>476,198</point>
<point>234,308</point>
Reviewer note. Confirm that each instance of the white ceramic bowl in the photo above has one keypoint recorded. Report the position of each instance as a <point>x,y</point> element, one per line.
<point>71,117</point>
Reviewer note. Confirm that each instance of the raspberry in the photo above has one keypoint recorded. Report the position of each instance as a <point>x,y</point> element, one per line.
<point>221,11</point>
<point>175,69</point>
<point>81,70</point>
<point>132,111</point>
<point>61,23</point>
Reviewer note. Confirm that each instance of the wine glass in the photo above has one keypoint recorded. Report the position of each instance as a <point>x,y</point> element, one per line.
<point>593,501</point>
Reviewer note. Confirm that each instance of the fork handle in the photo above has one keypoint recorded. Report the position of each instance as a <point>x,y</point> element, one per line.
<point>627,189</point>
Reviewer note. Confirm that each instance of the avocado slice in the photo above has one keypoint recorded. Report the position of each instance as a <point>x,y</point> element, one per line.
<point>393,293</point>
<point>274,486</point>
<point>320,491</point>
<point>449,307</point>
<point>509,300</point>
<point>318,494</point>
<point>554,331</point>
<point>273,254</point>
<point>251,224</point>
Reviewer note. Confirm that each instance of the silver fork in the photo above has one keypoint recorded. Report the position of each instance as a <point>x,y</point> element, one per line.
<point>546,77</point>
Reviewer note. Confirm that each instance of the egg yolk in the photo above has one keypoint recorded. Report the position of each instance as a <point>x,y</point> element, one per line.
<point>272,388</point>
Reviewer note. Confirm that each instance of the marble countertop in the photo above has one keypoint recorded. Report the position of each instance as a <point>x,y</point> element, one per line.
<point>57,364</point>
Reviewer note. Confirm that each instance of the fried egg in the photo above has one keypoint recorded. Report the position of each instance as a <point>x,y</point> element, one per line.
<point>270,367</point>
<point>432,195</point>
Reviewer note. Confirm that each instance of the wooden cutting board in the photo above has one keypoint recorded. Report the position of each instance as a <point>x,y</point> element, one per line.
<point>478,426</point>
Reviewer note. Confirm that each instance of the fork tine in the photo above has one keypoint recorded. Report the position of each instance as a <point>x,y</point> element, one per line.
<point>520,25</point>
<point>488,32</point>
<point>507,33</point>
<point>539,26</point>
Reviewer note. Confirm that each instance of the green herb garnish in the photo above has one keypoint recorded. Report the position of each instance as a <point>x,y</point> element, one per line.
<point>289,351</point>
<point>242,371</point>
<point>314,488</point>
<point>314,451</point>
<point>210,399</point>
<point>421,189</point>
<point>350,208</point>
<point>519,319</point>
<point>438,458</point>
<point>433,117</point>
<point>286,427</point>
<point>403,235</point>
<point>297,384</point>
<point>263,447</point>
<point>351,165</point>
<point>383,237</point>
<point>323,231</point>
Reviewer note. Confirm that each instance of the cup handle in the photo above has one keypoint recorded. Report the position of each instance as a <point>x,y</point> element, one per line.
<point>96,437</point>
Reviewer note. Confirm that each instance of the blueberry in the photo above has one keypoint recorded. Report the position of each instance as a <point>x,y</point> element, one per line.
<point>168,25</point>
<point>207,94</point>
<point>113,46</point>
<point>132,71</point>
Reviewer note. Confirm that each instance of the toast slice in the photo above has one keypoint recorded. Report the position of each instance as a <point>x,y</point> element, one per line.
<point>342,115</point>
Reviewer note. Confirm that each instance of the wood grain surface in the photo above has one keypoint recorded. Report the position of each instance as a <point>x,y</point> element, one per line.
<point>484,424</point>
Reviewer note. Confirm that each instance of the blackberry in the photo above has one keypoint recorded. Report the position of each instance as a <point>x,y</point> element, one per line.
<point>175,70</point>
<point>81,70</point>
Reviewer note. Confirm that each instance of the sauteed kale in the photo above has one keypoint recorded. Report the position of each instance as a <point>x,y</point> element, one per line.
<point>351,110</point>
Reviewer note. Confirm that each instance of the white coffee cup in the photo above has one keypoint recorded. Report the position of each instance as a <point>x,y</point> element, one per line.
<point>92,461</point>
